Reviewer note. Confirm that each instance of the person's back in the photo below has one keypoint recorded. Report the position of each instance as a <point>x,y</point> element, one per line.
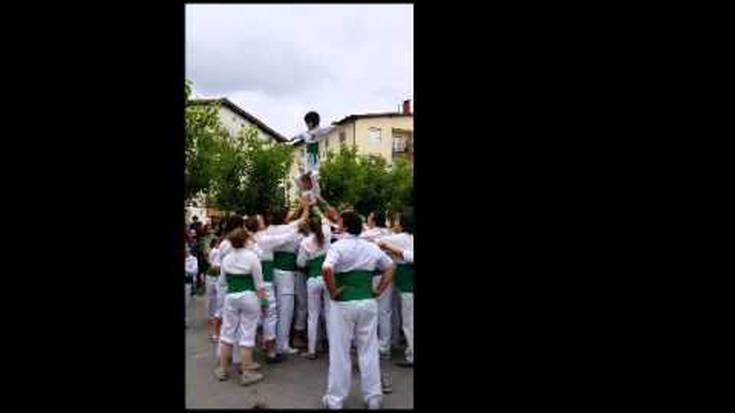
<point>348,272</point>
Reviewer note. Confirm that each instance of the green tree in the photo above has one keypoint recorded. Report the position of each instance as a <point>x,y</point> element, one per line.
<point>341,177</point>
<point>400,184</point>
<point>251,173</point>
<point>365,182</point>
<point>203,136</point>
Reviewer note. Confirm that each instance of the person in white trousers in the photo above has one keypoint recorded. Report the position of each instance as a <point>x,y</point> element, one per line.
<point>191,268</point>
<point>312,252</point>
<point>284,263</point>
<point>263,243</point>
<point>353,313</point>
<point>211,285</point>
<point>225,248</point>
<point>374,231</point>
<point>243,303</point>
<point>404,281</point>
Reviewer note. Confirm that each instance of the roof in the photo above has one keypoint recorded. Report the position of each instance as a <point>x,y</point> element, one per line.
<point>233,107</point>
<point>351,118</point>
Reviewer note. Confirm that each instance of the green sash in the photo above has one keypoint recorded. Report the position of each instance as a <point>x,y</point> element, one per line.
<point>267,270</point>
<point>212,272</point>
<point>237,283</point>
<point>285,261</point>
<point>358,285</point>
<point>314,266</point>
<point>312,148</point>
<point>404,277</point>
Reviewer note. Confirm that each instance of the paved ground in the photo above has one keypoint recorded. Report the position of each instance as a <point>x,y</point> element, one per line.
<point>295,383</point>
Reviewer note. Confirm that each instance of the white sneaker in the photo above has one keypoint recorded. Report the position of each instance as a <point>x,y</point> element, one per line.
<point>290,350</point>
<point>376,403</point>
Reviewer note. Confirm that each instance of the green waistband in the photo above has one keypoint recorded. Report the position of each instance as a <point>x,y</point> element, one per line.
<point>213,272</point>
<point>358,285</point>
<point>285,261</point>
<point>237,283</point>
<point>267,270</point>
<point>404,277</point>
<point>314,266</point>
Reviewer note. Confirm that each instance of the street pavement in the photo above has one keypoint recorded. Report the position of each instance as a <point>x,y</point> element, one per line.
<point>295,383</point>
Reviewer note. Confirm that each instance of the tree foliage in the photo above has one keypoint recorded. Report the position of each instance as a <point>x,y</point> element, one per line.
<point>242,174</point>
<point>365,182</point>
<point>203,137</point>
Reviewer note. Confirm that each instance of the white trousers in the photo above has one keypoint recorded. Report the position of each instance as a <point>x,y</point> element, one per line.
<point>356,319</point>
<point>385,313</point>
<point>221,293</point>
<point>211,283</point>
<point>301,301</point>
<point>284,281</point>
<point>241,312</point>
<point>316,297</point>
<point>270,320</point>
<point>396,317</point>
<point>407,317</point>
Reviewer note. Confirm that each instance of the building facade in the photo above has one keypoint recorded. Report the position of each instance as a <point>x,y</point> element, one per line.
<point>233,118</point>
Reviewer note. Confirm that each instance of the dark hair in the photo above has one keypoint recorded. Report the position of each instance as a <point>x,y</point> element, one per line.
<point>379,218</point>
<point>278,216</point>
<point>406,220</point>
<point>233,223</point>
<point>266,218</point>
<point>251,224</point>
<point>238,238</point>
<point>352,222</point>
<point>312,118</point>
<point>195,218</point>
<point>213,242</point>
<point>315,226</point>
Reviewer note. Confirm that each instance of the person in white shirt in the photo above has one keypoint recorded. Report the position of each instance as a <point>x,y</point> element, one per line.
<point>243,302</point>
<point>353,313</point>
<point>284,274</point>
<point>211,284</point>
<point>404,281</point>
<point>191,269</point>
<point>263,243</point>
<point>375,231</point>
<point>312,252</point>
<point>225,248</point>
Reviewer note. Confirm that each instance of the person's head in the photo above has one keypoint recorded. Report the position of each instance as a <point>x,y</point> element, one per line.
<point>213,243</point>
<point>278,216</point>
<point>238,238</point>
<point>351,222</point>
<point>192,233</point>
<point>234,222</point>
<point>376,219</point>
<point>312,120</point>
<point>195,219</point>
<point>314,225</point>
<point>405,222</point>
<point>252,224</point>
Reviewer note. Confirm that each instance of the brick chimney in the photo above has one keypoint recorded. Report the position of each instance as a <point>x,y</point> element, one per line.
<point>407,107</point>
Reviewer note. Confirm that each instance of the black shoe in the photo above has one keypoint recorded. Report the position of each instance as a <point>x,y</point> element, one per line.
<point>275,359</point>
<point>404,363</point>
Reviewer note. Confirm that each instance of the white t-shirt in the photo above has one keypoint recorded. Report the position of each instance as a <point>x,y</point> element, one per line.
<point>352,253</point>
<point>402,241</point>
<point>191,266</point>
<point>214,260</point>
<point>374,234</point>
<point>244,261</point>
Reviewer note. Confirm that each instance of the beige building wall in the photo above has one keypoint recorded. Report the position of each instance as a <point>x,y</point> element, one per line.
<point>233,122</point>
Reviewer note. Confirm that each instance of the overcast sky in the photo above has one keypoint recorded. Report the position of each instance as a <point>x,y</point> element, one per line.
<point>280,61</point>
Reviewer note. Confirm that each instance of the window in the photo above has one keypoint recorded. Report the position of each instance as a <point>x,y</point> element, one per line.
<point>399,143</point>
<point>374,135</point>
<point>342,138</point>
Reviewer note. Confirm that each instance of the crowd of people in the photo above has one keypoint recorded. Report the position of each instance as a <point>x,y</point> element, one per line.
<point>303,282</point>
